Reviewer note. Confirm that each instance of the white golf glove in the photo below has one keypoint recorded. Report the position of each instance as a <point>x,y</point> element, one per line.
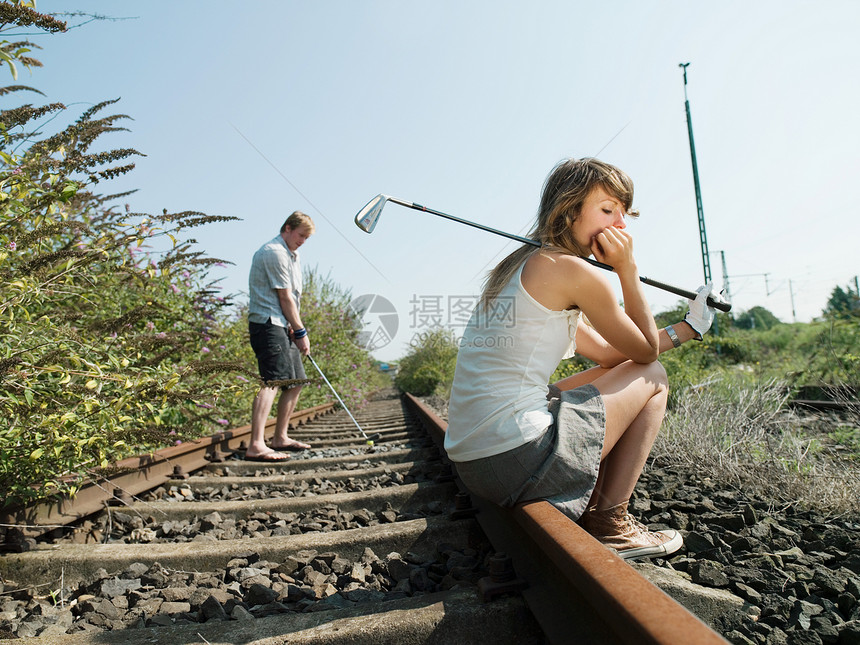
<point>700,316</point>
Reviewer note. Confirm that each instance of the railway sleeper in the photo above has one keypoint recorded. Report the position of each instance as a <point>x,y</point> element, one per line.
<point>287,579</point>
<point>300,463</point>
<point>290,479</point>
<point>455,616</point>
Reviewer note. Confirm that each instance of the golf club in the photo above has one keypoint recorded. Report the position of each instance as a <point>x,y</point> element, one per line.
<point>372,438</point>
<point>368,216</point>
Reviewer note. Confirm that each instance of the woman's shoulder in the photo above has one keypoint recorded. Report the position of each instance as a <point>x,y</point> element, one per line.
<point>560,280</point>
<point>557,260</point>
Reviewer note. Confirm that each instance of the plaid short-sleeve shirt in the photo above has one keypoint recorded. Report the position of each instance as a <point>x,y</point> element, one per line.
<point>274,266</point>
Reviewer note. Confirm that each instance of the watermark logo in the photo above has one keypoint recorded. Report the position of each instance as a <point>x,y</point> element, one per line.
<point>379,321</point>
<point>428,312</point>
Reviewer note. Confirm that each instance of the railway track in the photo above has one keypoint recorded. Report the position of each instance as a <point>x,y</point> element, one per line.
<point>342,544</point>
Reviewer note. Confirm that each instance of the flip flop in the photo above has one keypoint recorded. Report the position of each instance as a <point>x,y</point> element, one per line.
<point>269,457</point>
<point>296,446</point>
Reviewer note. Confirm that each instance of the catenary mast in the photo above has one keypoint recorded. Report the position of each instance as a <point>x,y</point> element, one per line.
<point>703,238</point>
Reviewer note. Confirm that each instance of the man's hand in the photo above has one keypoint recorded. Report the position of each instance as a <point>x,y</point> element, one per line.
<point>303,345</point>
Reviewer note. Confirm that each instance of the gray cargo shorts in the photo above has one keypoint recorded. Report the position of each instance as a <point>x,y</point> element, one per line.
<point>560,465</point>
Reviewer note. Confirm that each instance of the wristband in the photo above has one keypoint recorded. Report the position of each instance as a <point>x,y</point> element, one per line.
<point>676,342</point>
<point>300,333</point>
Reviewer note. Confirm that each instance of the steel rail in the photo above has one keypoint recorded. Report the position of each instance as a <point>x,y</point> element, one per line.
<point>817,404</point>
<point>133,476</point>
<point>603,598</point>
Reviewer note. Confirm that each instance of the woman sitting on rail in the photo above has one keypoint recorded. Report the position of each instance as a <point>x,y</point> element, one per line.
<point>584,451</point>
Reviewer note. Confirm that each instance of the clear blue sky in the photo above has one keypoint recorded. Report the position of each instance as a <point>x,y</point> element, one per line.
<point>256,109</point>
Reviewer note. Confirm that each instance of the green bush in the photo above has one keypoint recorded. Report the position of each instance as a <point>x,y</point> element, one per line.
<point>333,331</point>
<point>113,339</point>
<point>756,318</point>
<point>100,337</point>
<point>428,367</point>
<point>571,366</point>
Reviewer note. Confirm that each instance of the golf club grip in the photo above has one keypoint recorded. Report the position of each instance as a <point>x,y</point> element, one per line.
<point>722,306</point>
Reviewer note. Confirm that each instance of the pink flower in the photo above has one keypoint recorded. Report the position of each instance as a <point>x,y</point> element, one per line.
<point>174,288</point>
<point>223,422</point>
<point>177,442</point>
<point>205,350</point>
<point>12,246</point>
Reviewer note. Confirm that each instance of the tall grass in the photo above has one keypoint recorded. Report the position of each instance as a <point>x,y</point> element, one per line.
<point>746,437</point>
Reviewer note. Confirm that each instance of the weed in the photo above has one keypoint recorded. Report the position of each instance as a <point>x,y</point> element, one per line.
<point>747,437</point>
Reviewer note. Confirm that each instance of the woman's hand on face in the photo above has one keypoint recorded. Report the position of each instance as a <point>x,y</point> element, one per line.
<point>614,246</point>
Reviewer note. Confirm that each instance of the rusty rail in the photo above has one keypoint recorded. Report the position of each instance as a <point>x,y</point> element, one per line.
<point>603,598</point>
<point>134,476</point>
<point>816,404</point>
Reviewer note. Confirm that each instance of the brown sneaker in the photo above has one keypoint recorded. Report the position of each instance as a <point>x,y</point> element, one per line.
<point>616,529</point>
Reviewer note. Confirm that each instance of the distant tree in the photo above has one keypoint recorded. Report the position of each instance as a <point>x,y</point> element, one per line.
<point>756,318</point>
<point>428,367</point>
<point>671,316</point>
<point>842,303</point>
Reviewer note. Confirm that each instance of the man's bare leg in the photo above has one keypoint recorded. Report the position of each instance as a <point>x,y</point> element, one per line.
<point>259,415</point>
<point>286,407</point>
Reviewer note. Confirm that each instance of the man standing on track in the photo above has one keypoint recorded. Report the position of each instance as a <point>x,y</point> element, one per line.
<point>278,337</point>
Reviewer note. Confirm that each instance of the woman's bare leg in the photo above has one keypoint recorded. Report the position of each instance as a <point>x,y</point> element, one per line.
<point>634,397</point>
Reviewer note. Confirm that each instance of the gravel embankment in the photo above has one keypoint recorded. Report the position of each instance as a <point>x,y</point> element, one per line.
<point>248,588</point>
<point>799,569</point>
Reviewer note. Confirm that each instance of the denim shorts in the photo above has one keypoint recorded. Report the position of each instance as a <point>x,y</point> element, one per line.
<point>560,465</point>
<point>278,359</point>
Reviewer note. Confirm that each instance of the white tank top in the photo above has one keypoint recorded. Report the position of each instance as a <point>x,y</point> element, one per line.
<point>506,357</point>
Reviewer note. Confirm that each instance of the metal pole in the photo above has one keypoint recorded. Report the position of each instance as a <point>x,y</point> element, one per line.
<point>371,439</point>
<point>726,277</point>
<point>703,238</point>
<point>791,291</point>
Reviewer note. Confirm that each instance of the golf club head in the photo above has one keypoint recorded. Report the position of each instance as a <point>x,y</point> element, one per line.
<point>367,217</point>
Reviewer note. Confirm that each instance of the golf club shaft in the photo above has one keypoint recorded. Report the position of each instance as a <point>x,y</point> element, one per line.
<point>684,293</point>
<point>337,397</point>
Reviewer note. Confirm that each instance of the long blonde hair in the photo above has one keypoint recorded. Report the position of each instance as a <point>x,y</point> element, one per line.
<point>564,192</point>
